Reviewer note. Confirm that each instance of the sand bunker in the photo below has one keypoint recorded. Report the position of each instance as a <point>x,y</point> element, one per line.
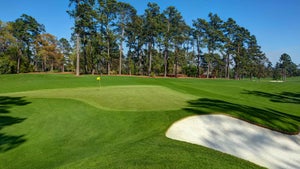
<point>276,81</point>
<point>241,139</point>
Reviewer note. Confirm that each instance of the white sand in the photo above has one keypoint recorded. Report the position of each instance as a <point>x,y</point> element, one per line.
<point>276,81</point>
<point>241,139</point>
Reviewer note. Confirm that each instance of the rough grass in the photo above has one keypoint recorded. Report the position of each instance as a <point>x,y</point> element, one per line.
<point>62,121</point>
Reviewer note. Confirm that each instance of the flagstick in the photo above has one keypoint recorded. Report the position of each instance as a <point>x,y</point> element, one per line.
<point>99,79</point>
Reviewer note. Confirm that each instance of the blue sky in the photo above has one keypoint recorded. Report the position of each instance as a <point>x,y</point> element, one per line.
<point>275,23</point>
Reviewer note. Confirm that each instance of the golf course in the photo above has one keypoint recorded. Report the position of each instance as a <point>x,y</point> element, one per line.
<point>60,121</point>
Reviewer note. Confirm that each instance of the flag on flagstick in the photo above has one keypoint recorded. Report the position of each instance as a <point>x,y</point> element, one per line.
<point>99,79</point>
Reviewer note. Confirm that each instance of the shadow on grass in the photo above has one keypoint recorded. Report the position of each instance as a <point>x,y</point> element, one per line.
<point>8,142</point>
<point>284,97</point>
<point>268,118</point>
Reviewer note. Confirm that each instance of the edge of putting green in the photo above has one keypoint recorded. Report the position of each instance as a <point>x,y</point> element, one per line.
<point>118,98</point>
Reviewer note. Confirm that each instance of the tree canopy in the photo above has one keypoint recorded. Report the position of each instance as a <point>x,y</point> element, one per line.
<point>115,39</point>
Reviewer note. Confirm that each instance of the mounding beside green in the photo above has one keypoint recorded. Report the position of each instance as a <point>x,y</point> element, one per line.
<point>63,121</point>
<point>122,98</point>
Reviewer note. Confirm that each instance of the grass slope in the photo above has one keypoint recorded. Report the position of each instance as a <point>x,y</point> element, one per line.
<point>124,98</point>
<point>61,121</point>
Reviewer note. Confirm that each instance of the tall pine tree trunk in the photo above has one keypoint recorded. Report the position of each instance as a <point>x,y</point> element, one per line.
<point>166,62</point>
<point>18,60</point>
<point>77,56</point>
<point>108,58</point>
<point>120,59</point>
<point>129,62</point>
<point>52,66</point>
<point>150,58</point>
<point>44,67</point>
<point>166,53</point>
<point>198,65</point>
<point>141,70</point>
<point>208,69</point>
<point>198,60</point>
<point>208,65</point>
<point>284,74</point>
<point>108,68</point>
<point>18,65</point>
<point>237,70</point>
<point>176,62</point>
<point>121,52</point>
<point>227,66</point>
<point>85,55</point>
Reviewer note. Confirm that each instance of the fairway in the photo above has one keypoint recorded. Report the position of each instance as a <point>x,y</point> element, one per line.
<point>62,121</point>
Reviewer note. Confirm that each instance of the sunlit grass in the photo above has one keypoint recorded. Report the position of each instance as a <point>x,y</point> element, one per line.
<point>122,98</point>
<point>63,121</point>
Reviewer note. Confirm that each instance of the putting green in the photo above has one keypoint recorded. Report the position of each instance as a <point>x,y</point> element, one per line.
<point>121,98</point>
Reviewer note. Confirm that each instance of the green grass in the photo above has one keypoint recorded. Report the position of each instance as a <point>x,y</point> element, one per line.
<point>123,98</point>
<point>63,121</point>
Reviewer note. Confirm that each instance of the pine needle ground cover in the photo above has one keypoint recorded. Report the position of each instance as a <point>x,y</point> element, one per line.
<point>63,121</point>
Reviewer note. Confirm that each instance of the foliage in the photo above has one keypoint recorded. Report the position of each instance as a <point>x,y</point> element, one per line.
<point>287,66</point>
<point>47,55</point>
<point>26,48</point>
<point>65,49</point>
<point>156,41</point>
<point>166,33</point>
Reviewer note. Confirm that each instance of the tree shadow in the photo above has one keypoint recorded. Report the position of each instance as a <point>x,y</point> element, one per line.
<point>283,97</point>
<point>8,142</point>
<point>268,118</point>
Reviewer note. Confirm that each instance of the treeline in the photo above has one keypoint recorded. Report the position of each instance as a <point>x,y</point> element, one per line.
<point>26,47</point>
<point>111,38</point>
<point>161,43</point>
